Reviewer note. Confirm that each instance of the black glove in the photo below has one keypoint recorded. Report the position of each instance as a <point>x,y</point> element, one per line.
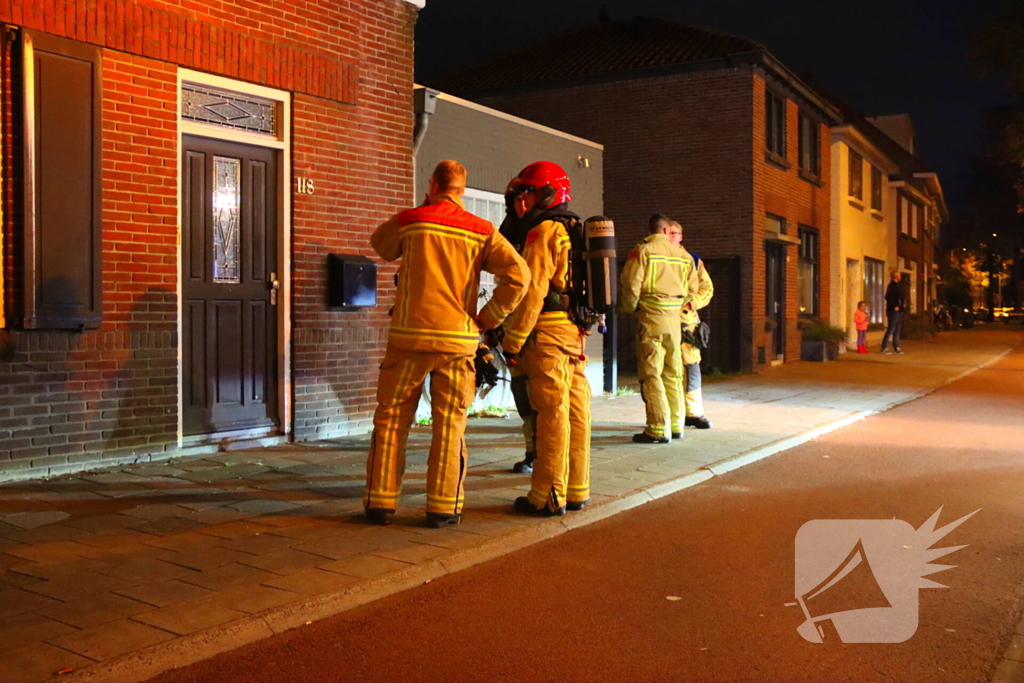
<point>486,373</point>
<point>493,337</point>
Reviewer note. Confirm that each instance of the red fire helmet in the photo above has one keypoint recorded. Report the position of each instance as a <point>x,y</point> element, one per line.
<point>548,179</point>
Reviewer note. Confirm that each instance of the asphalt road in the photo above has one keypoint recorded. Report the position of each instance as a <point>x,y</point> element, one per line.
<point>593,605</point>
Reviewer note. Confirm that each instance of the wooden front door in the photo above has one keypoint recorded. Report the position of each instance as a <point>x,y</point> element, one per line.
<point>229,286</point>
<point>775,293</point>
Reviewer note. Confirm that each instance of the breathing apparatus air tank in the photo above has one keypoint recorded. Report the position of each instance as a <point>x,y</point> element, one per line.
<point>599,233</point>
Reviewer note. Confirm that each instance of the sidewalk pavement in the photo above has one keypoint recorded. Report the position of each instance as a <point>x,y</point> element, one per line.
<point>119,574</point>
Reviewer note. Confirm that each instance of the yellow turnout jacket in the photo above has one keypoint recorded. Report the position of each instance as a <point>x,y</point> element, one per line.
<point>658,279</point>
<point>547,255</point>
<point>443,248</point>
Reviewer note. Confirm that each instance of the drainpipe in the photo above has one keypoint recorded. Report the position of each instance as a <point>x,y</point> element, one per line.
<point>424,102</point>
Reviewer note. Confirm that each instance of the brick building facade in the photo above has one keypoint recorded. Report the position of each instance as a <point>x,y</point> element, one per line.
<point>682,114</point>
<point>109,373</point>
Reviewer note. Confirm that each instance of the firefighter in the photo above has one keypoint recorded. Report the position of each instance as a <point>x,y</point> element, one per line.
<point>693,396</point>
<point>542,338</point>
<point>658,280</point>
<point>435,331</point>
<point>515,228</point>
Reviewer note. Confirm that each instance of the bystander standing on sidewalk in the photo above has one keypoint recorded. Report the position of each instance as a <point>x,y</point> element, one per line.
<point>894,312</point>
<point>860,321</point>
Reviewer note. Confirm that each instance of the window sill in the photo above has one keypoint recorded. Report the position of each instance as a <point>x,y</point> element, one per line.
<point>775,160</point>
<point>811,178</point>
<point>877,216</point>
<point>856,204</point>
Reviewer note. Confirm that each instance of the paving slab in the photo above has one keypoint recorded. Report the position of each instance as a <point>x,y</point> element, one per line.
<point>112,639</point>
<point>188,617</point>
<point>38,662</point>
<point>171,561</point>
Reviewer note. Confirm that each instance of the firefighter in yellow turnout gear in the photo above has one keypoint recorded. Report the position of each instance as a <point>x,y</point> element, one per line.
<point>693,394</point>
<point>549,347</point>
<point>435,330</point>
<point>657,282</point>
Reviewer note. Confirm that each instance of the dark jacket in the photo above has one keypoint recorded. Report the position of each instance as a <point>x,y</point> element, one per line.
<point>894,297</point>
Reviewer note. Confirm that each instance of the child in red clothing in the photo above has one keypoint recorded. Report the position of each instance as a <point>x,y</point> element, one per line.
<point>860,320</point>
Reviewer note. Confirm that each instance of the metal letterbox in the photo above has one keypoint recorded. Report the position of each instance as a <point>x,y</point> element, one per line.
<point>351,281</point>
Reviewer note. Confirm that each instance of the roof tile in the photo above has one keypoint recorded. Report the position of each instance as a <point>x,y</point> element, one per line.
<point>638,43</point>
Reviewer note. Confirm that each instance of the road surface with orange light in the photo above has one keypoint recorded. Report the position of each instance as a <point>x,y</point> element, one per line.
<point>695,586</point>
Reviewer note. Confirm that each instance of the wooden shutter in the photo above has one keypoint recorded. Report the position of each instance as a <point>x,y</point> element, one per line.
<point>63,246</point>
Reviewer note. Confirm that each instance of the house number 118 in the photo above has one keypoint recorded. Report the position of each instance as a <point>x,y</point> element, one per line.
<point>304,186</point>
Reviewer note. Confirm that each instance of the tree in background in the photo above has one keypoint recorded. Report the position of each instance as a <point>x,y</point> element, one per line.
<point>993,225</point>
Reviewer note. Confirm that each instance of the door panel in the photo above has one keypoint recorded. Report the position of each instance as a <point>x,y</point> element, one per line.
<point>723,316</point>
<point>775,256</point>
<point>229,232</point>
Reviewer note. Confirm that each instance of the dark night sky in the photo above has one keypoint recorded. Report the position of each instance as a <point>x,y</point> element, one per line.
<point>881,56</point>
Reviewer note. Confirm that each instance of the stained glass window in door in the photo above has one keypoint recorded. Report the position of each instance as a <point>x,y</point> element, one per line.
<point>227,198</point>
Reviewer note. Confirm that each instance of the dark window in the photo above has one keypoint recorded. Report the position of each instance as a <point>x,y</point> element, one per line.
<point>874,289</point>
<point>876,189</point>
<point>807,273</point>
<point>62,245</point>
<point>901,208</point>
<point>775,224</point>
<point>810,146</point>
<point>856,175</point>
<point>775,124</point>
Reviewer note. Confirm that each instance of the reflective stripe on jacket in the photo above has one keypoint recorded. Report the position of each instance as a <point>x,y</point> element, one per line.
<point>443,248</point>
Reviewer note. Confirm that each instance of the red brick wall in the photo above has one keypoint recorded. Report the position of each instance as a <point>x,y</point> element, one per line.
<point>692,146</point>
<point>66,400</point>
<point>786,194</point>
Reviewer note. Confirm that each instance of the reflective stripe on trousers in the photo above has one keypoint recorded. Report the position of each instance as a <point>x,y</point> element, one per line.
<point>402,374</point>
<point>660,370</point>
<point>560,393</point>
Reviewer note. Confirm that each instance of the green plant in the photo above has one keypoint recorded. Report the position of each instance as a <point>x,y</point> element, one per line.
<point>823,332</point>
<point>626,390</point>
<point>425,421</point>
<point>490,411</point>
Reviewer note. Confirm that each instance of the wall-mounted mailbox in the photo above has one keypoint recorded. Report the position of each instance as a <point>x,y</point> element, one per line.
<point>351,281</point>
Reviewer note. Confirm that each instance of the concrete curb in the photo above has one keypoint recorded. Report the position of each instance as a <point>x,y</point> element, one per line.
<point>185,650</point>
<point>736,461</point>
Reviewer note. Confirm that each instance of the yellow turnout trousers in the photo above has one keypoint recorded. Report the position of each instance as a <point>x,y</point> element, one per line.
<point>452,385</point>
<point>660,370</point>
<point>559,391</point>
<point>693,397</point>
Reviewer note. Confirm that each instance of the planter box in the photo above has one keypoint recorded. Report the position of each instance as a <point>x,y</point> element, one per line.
<point>816,352</point>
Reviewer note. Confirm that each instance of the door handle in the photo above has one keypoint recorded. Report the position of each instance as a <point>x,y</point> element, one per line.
<point>273,286</point>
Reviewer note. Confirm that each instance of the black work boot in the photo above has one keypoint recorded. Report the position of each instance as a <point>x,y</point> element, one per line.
<point>379,516</point>
<point>576,505</point>
<point>524,505</point>
<point>525,466</point>
<point>676,436</point>
<point>644,437</point>
<point>439,520</point>
<point>698,422</point>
